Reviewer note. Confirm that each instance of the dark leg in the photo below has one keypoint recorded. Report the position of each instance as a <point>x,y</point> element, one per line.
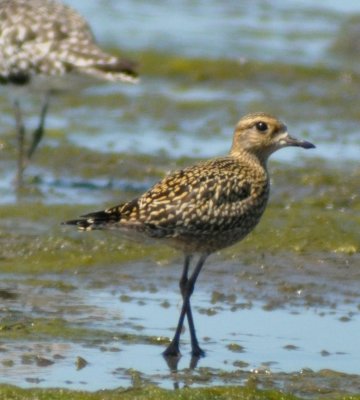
<point>172,353</point>
<point>196,350</point>
<point>20,130</point>
<point>39,131</point>
<point>187,288</point>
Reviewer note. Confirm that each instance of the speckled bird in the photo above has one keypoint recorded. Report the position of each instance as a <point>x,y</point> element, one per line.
<point>205,207</point>
<point>48,47</point>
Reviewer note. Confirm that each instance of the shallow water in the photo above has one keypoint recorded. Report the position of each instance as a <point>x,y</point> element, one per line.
<point>284,305</point>
<point>271,320</point>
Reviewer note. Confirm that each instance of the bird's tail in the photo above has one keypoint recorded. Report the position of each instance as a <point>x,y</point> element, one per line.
<point>121,70</point>
<point>96,220</point>
<point>111,69</point>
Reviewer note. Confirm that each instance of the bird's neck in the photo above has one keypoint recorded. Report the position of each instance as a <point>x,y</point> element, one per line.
<point>250,157</point>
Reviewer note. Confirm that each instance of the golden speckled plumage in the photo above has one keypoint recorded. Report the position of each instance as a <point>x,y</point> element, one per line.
<point>201,208</point>
<point>205,207</point>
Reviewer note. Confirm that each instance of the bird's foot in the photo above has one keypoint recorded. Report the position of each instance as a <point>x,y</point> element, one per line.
<point>172,350</point>
<point>172,356</point>
<point>197,352</point>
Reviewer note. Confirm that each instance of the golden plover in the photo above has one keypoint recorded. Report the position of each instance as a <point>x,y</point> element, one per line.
<point>47,46</point>
<point>205,207</point>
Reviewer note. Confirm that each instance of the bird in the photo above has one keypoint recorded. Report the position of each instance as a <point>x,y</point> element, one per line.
<point>203,208</point>
<point>47,47</point>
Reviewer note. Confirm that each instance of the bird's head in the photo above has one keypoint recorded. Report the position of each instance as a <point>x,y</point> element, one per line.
<point>261,134</point>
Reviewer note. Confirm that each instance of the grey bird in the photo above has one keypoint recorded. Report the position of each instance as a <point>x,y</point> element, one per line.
<point>48,47</point>
<point>205,207</point>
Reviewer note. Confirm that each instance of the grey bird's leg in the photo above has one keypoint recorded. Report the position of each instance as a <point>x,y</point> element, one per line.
<point>39,131</point>
<point>20,130</point>
<point>187,286</point>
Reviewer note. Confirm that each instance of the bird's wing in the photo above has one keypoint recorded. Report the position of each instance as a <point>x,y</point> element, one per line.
<point>196,199</point>
<point>204,198</point>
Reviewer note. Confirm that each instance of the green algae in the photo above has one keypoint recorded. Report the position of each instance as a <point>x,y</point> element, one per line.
<point>152,392</point>
<point>62,286</point>
<point>295,229</point>
<point>23,328</point>
<point>12,393</point>
<point>157,64</point>
<point>300,230</point>
<point>92,166</point>
<point>346,43</point>
<point>319,211</point>
<point>53,254</point>
<point>235,347</point>
<point>20,327</point>
<point>317,90</point>
<point>43,245</point>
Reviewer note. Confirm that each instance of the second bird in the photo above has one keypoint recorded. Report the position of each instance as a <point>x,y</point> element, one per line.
<point>48,47</point>
<point>205,207</point>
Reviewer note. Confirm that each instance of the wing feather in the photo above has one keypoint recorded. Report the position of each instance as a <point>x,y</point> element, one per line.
<point>196,199</point>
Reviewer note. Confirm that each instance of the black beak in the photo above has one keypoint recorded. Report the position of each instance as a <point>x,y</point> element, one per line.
<point>290,141</point>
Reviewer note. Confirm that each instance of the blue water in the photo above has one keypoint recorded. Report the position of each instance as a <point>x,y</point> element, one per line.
<point>289,32</point>
<point>264,336</point>
<point>286,32</point>
<point>231,29</point>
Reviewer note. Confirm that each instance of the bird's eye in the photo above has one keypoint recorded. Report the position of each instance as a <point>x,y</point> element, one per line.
<point>261,126</point>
